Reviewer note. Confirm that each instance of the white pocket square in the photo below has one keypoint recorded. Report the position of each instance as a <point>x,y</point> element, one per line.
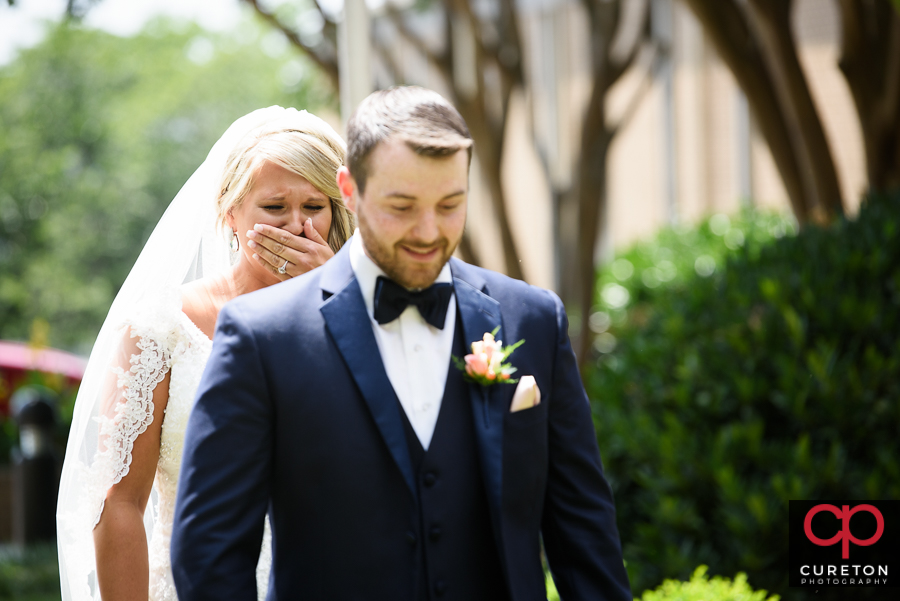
<point>527,395</point>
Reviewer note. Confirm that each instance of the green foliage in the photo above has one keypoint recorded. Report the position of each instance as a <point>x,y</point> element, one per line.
<point>724,397</point>
<point>701,588</point>
<point>670,262</point>
<point>99,133</point>
<point>29,575</point>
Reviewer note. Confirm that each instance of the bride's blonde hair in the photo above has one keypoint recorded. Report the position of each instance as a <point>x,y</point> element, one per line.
<point>314,152</point>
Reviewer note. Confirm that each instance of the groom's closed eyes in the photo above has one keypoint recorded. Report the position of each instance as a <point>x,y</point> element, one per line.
<point>447,203</point>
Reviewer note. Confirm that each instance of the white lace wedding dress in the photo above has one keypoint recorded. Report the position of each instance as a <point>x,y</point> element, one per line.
<point>168,341</point>
<point>184,350</point>
<point>113,409</point>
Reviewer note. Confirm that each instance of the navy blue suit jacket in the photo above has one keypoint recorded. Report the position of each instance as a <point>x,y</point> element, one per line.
<point>296,416</point>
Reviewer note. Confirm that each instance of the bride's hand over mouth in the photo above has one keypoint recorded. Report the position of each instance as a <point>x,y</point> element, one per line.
<point>285,254</point>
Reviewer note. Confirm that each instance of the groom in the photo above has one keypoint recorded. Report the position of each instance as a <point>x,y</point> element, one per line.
<point>331,402</point>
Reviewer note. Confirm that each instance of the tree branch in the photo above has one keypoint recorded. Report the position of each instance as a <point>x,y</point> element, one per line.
<point>489,135</point>
<point>328,66</point>
<point>438,62</point>
<point>639,94</point>
<point>619,67</point>
<point>511,39</point>
<point>390,63</point>
<point>329,29</point>
<point>465,9</point>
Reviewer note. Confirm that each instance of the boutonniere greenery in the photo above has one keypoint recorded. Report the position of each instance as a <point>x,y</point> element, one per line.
<point>486,365</point>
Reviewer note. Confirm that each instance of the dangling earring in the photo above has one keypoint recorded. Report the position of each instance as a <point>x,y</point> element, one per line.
<point>235,242</point>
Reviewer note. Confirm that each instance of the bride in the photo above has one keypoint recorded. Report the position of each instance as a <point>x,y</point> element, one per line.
<point>268,186</point>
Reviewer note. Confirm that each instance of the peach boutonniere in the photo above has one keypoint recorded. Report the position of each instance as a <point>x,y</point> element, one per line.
<point>486,364</point>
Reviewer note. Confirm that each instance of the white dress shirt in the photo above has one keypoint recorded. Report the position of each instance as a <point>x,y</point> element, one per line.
<point>415,354</point>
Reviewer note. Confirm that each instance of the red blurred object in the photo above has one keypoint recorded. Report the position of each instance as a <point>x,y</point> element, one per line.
<point>18,358</point>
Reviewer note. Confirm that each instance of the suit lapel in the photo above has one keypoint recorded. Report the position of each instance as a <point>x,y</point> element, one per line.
<point>479,314</point>
<point>348,322</point>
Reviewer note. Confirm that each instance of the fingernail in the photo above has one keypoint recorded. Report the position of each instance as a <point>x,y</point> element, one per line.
<point>256,256</point>
<point>258,227</point>
<point>309,221</point>
<point>251,243</point>
<point>251,234</point>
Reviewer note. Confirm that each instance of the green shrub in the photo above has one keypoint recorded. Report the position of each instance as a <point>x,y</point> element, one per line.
<point>29,575</point>
<point>721,398</point>
<point>701,588</point>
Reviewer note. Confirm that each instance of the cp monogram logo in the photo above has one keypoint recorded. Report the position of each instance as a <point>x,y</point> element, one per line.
<point>844,514</point>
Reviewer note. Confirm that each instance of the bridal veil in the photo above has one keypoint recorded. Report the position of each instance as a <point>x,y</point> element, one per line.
<point>185,245</point>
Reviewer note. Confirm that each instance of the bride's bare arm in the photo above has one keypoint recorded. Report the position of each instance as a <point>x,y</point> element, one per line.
<point>119,538</point>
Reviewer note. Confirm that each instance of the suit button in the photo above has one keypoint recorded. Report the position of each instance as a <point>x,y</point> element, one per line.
<point>411,539</point>
<point>429,479</point>
<point>440,587</point>
<point>434,533</point>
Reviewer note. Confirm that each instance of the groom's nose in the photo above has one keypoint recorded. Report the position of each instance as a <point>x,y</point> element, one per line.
<point>426,227</point>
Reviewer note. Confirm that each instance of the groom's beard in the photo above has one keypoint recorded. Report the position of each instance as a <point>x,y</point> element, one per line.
<point>395,261</point>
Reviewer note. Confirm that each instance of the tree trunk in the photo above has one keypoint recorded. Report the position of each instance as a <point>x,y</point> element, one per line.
<point>590,177</point>
<point>592,193</point>
<point>773,25</point>
<point>489,156</point>
<point>489,152</point>
<point>565,234</point>
<point>466,251</point>
<point>870,61</point>
<point>726,26</point>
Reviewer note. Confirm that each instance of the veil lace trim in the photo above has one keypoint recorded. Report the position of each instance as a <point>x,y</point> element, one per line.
<point>132,416</point>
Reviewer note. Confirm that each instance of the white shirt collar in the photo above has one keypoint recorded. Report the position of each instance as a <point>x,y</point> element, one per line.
<point>367,272</point>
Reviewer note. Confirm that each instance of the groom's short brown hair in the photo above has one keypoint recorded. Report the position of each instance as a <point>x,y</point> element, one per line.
<point>424,119</point>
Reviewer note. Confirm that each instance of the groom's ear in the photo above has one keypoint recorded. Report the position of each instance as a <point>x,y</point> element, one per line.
<point>347,186</point>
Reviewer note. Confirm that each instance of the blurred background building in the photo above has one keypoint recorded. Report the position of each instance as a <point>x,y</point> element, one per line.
<point>597,123</point>
<point>688,146</point>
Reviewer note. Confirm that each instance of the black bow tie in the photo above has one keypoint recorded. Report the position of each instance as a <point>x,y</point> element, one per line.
<point>391,299</point>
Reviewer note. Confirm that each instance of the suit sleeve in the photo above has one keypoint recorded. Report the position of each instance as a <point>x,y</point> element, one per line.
<point>579,522</point>
<point>223,489</point>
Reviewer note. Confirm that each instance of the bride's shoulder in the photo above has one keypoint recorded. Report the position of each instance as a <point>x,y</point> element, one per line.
<point>200,302</point>
<point>194,295</point>
<point>151,323</point>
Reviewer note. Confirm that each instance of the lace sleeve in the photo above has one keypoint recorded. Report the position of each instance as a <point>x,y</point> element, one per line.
<point>119,412</point>
<point>143,360</point>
